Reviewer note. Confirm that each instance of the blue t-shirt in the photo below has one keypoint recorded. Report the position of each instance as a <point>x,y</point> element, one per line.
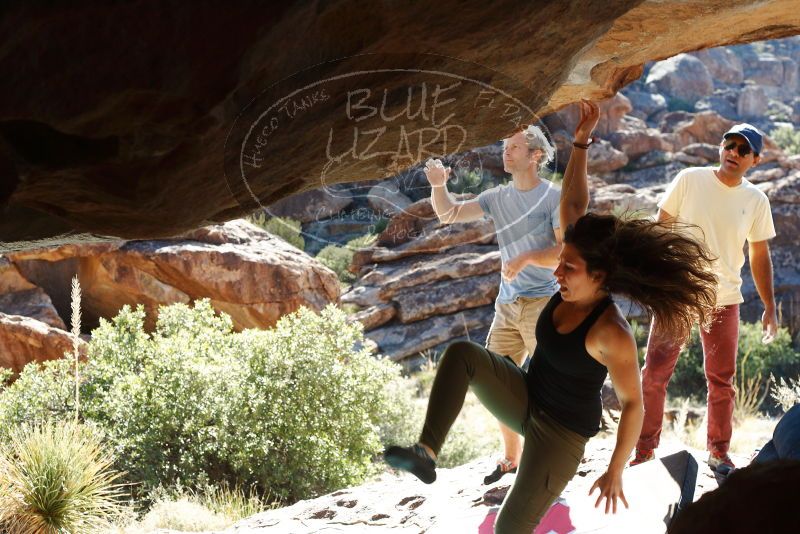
<point>524,221</point>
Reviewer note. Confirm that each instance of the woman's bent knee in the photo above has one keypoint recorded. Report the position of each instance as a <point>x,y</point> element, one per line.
<point>461,352</point>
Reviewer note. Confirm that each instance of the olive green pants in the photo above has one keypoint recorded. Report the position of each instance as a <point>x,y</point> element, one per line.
<point>551,454</point>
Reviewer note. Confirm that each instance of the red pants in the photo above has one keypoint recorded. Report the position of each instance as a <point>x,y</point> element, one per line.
<point>720,345</point>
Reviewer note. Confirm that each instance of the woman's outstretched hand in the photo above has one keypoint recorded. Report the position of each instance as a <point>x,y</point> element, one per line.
<point>610,485</point>
<point>590,115</point>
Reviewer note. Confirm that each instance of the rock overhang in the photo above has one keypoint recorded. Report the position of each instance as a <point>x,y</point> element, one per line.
<point>134,127</point>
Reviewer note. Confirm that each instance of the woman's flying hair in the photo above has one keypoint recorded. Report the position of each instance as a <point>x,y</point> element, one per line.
<point>664,271</point>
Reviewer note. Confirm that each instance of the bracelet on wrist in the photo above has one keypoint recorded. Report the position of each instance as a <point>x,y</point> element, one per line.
<point>583,145</point>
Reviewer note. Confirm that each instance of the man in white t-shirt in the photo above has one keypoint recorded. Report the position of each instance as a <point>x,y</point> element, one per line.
<point>724,210</point>
<point>525,215</point>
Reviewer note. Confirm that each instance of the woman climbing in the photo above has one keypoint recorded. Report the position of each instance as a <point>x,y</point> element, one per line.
<point>581,336</point>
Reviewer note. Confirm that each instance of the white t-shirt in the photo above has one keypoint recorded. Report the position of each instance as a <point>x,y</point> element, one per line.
<point>726,217</point>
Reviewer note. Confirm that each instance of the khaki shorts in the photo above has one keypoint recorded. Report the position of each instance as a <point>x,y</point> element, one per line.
<point>513,330</point>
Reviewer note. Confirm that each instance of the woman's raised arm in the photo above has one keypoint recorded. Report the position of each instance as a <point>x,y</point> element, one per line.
<point>575,186</point>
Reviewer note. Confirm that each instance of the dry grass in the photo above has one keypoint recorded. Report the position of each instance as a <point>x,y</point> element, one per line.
<point>749,431</point>
<point>196,511</point>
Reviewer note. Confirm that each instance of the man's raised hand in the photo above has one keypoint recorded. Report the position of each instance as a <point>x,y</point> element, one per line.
<point>436,173</point>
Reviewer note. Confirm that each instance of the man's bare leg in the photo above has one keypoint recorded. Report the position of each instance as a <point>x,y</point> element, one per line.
<point>512,441</point>
<point>513,444</point>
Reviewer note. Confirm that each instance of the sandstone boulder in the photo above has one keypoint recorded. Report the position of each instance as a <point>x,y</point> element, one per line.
<point>705,151</point>
<point>408,224</point>
<point>636,141</point>
<point>313,205</point>
<point>387,200</point>
<point>471,260</point>
<point>784,197</point>
<point>752,102</point>
<point>623,198</point>
<point>375,316</point>
<point>398,502</point>
<point>768,70</point>
<point>398,341</point>
<point>445,297</point>
<point>18,296</point>
<point>682,76</point>
<point>603,157</point>
<point>723,64</point>
<point>704,127</point>
<point>646,104</point>
<point>245,272</point>
<point>668,121</point>
<point>10,278</point>
<point>653,158</point>
<point>689,160</point>
<point>759,175</point>
<point>434,239</point>
<point>34,303</point>
<point>792,162</point>
<point>25,339</point>
<point>722,102</point>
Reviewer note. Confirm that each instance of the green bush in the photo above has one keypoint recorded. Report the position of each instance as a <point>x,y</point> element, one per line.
<point>338,258</point>
<point>778,357</point>
<point>56,477</point>
<point>470,181</point>
<point>292,411</point>
<point>284,227</point>
<point>787,138</point>
<point>379,226</point>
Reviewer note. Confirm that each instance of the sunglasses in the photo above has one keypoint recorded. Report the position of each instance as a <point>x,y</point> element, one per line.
<point>743,149</point>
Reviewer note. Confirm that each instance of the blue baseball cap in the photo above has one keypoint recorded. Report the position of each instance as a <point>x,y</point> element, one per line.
<point>750,133</point>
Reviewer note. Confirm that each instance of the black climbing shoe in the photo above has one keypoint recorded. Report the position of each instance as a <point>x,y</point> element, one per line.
<point>413,459</point>
<point>503,466</point>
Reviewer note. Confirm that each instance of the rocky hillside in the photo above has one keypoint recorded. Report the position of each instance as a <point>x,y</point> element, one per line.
<point>423,284</point>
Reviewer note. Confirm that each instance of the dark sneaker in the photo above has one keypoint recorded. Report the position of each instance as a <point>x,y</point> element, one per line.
<point>504,466</point>
<point>641,456</point>
<point>721,463</point>
<point>413,459</point>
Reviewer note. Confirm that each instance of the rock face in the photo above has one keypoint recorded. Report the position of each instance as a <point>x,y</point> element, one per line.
<point>682,76</point>
<point>457,502</point>
<point>312,205</point>
<point>247,273</point>
<point>722,64</point>
<point>752,102</point>
<point>438,283</point>
<point>20,297</point>
<point>123,143</point>
<point>25,339</point>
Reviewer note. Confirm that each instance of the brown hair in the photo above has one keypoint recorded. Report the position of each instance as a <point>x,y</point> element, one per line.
<point>664,271</point>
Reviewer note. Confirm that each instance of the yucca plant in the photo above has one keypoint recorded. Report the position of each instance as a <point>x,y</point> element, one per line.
<point>56,478</point>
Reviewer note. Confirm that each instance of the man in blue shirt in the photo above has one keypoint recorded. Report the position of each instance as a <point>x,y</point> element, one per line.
<point>526,219</point>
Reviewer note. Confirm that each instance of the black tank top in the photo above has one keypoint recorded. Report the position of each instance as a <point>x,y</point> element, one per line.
<point>563,379</point>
